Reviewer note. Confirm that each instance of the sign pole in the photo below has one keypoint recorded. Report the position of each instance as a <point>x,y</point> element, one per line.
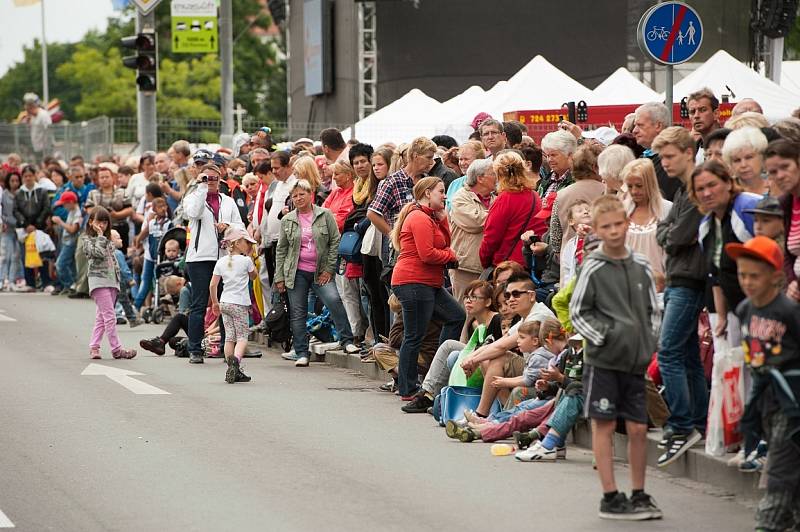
<point>668,94</point>
<point>226,71</point>
<point>45,85</point>
<point>146,101</point>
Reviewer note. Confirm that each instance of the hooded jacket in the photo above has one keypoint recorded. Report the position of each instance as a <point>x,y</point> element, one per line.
<point>203,244</point>
<point>614,307</point>
<point>31,207</point>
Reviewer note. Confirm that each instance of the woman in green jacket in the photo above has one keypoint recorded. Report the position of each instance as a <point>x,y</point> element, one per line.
<point>305,259</point>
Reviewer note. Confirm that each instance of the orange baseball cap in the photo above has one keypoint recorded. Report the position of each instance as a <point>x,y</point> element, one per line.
<point>761,248</point>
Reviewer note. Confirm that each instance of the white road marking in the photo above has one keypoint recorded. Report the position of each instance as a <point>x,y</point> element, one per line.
<point>123,378</point>
<point>3,317</point>
<point>5,522</point>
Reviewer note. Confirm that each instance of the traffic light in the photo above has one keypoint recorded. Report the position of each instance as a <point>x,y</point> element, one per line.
<point>145,61</point>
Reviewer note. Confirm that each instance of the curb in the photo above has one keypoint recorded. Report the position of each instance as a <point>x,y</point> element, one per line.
<point>694,465</point>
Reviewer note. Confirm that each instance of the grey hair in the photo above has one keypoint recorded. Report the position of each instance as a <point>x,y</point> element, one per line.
<point>613,159</point>
<point>478,168</point>
<point>743,138</point>
<point>656,111</point>
<point>560,141</point>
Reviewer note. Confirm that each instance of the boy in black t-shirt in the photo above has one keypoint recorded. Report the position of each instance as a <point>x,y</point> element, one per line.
<point>770,324</point>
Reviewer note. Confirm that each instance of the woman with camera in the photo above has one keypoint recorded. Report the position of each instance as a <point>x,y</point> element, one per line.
<point>210,214</point>
<point>422,236</point>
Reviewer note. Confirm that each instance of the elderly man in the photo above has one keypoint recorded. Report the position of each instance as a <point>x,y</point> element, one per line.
<point>651,119</point>
<point>469,209</point>
<point>746,105</point>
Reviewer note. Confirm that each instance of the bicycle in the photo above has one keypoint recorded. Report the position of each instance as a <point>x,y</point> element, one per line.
<point>658,33</point>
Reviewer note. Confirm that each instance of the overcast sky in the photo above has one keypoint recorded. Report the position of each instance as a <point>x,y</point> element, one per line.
<point>65,21</point>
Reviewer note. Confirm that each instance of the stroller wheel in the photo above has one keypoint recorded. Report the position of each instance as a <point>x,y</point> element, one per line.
<point>147,315</point>
<point>158,316</point>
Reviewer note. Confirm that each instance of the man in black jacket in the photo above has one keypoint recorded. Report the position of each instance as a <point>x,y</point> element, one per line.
<point>31,209</point>
<point>679,355</point>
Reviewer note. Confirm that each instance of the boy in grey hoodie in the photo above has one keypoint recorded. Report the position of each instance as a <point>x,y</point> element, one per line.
<point>614,307</point>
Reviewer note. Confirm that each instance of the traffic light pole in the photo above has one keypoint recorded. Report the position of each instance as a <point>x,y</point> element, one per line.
<point>226,71</point>
<point>146,101</point>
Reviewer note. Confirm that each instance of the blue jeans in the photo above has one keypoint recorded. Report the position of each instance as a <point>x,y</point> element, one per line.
<point>147,283</point>
<point>528,404</point>
<point>298,310</point>
<point>682,372</point>
<point>10,259</point>
<point>421,304</point>
<point>65,265</point>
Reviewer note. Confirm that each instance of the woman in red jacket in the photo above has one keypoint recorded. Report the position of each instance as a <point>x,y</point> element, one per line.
<point>511,214</point>
<point>422,236</point>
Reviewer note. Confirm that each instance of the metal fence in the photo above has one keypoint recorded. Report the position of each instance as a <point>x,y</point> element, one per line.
<point>89,138</point>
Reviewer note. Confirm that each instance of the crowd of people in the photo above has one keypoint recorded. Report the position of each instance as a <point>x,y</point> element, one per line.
<point>592,274</point>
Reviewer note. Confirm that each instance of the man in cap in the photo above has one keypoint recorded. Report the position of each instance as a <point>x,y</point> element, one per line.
<point>39,120</point>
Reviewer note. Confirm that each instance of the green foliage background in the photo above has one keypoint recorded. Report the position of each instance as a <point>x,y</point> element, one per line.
<point>89,79</point>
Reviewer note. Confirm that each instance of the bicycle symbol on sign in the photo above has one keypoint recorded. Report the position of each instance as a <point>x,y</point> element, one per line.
<point>658,32</point>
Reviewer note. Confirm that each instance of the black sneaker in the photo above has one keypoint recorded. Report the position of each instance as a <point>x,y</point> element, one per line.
<point>418,405</point>
<point>233,369</point>
<point>195,358</point>
<point>56,291</point>
<point>644,503</point>
<point>620,509</point>
<point>523,440</point>
<point>121,321</point>
<point>154,345</point>
<point>678,445</point>
<point>175,341</point>
<point>241,377</point>
<point>666,434</point>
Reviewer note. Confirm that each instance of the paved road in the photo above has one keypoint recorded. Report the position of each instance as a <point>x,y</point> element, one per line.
<point>312,449</point>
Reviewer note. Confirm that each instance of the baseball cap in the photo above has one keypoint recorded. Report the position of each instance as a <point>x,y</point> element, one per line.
<point>234,233</point>
<point>760,248</point>
<point>547,208</point>
<point>304,140</point>
<point>603,134</point>
<point>67,197</point>
<point>769,205</point>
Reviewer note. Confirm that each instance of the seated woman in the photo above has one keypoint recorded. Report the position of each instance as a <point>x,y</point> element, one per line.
<point>479,305</point>
<point>180,320</point>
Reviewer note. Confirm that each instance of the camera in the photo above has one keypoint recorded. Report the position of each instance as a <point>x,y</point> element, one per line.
<point>203,178</point>
<point>533,239</point>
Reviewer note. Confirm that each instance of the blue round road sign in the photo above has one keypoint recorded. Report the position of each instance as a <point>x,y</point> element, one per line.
<point>670,33</point>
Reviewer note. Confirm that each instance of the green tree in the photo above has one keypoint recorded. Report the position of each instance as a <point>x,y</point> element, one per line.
<point>89,79</point>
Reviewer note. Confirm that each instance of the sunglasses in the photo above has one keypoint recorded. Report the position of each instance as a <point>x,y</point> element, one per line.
<point>516,294</point>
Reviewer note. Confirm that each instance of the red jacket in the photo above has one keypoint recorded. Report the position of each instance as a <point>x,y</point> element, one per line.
<point>424,249</point>
<point>504,226</point>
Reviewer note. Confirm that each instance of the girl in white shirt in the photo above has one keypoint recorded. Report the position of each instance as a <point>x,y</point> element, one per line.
<point>236,271</point>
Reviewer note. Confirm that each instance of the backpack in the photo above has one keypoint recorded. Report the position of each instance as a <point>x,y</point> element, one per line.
<point>276,325</point>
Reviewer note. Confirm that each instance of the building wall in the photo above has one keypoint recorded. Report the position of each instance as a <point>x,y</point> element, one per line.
<point>444,46</point>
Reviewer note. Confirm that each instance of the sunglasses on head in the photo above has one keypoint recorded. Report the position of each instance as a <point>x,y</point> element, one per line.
<point>516,294</point>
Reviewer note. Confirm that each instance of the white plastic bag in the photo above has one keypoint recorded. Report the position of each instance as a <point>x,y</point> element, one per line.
<point>726,402</point>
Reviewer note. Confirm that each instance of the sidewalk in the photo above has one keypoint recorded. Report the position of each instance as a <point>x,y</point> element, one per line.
<point>695,465</point>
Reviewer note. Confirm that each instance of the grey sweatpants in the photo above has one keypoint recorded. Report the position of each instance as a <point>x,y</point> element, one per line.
<point>439,373</point>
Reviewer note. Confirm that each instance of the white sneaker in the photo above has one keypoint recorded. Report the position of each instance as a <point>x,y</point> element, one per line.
<point>351,349</point>
<point>291,355</point>
<point>537,453</point>
<point>302,362</point>
<point>737,459</point>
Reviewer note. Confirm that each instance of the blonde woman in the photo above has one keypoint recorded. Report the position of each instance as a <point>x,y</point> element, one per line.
<point>422,236</point>
<point>646,207</point>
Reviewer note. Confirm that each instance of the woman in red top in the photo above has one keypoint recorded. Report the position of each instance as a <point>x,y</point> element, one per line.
<point>422,236</point>
<point>511,214</point>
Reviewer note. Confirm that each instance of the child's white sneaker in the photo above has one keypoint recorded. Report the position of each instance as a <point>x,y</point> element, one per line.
<point>537,453</point>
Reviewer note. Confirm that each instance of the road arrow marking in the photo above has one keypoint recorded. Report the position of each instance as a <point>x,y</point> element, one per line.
<point>5,522</point>
<point>123,377</point>
<point>3,317</point>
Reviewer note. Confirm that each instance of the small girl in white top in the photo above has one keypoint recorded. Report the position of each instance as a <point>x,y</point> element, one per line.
<point>236,270</point>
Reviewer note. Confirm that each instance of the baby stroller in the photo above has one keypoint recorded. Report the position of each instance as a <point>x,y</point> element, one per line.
<point>158,309</point>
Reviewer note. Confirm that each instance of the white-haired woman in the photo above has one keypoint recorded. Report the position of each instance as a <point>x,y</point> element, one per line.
<point>610,163</point>
<point>743,152</point>
<point>557,148</point>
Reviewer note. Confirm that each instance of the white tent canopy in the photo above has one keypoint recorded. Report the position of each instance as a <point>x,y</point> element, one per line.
<point>411,115</point>
<point>622,88</point>
<point>790,76</point>
<point>724,74</point>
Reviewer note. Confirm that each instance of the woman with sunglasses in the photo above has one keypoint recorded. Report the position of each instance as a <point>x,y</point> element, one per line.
<point>479,304</point>
<point>210,214</point>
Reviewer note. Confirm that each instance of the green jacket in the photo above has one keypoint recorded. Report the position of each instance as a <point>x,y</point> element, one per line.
<point>326,239</point>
